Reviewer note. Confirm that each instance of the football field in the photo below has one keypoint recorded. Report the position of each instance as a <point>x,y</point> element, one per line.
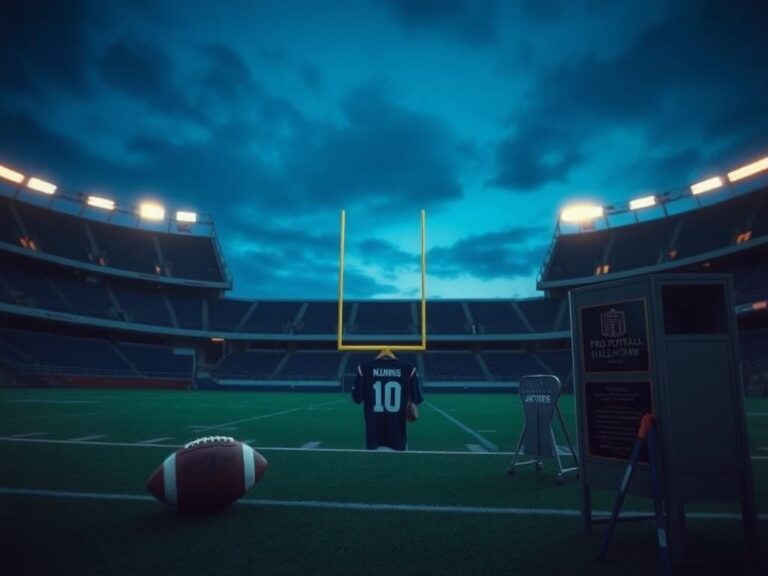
<point>73,500</point>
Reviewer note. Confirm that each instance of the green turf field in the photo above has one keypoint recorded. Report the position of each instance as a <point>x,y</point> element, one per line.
<point>74,464</point>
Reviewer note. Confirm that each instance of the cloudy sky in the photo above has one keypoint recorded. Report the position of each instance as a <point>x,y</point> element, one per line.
<point>273,116</point>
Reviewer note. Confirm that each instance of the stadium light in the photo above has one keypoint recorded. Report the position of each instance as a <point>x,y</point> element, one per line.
<point>151,211</point>
<point>99,202</point>
<point>644,202</point>
<point>41,186</point>
<point>190,217</point>
<point>748,170</point>
<point>12,175</point>
<point>577,213</point>
<point>706,185</point>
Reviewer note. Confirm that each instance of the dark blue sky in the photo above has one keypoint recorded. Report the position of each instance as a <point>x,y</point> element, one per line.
<point>273,116</point>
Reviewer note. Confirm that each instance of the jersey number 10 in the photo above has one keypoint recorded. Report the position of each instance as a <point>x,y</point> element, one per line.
<point>387,396</point>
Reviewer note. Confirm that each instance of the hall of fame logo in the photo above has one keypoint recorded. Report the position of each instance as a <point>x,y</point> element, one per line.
<point>613,324</point>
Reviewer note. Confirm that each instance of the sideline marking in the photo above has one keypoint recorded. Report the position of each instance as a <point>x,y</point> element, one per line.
<point>312,445</point>
<point>484,442</point>
<point>372,507</point>
<point>476,448</point>
<point>86,438</point>
<point>267,448</point>
<point>262,416</point>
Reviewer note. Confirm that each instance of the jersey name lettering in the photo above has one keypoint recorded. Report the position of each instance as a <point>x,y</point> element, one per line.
<point>386,372</point>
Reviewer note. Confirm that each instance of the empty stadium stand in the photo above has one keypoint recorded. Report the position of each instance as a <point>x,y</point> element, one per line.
<point>545,314</point>
<point>55,354</point>
<point>311,365</point>
<point>92,302</point>
<point>225,315</point>
<point>496,317</point>
<point>511,366</point>
<point>383,317</point>
<point>249,364</point>
<point>671,243</point>
<point>271,318</point>
<point>321,318</point>
<point>55,235</point>
<point>451,366</point>
<point>447,317</point>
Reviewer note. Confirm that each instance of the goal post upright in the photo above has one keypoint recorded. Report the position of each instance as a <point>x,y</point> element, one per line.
<point>376,347</point>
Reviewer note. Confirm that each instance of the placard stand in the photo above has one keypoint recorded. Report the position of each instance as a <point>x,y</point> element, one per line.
<point>665,345</point>
<point>539,395</point>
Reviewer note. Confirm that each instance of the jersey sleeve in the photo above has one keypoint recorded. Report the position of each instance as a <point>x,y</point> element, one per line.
<point>357,387</point>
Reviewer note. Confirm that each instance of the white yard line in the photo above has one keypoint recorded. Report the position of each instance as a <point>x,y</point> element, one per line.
<point>312,445</point>
<point>155,440</point>
<point>144,444</point>
<point>27,417</point>
<point>363,506</point>
<point>261,448</point>
<point>34,401</point>
<point>476,448</point>
<point>484,442</point>
<point>87,438</point>
<point>262,416</point>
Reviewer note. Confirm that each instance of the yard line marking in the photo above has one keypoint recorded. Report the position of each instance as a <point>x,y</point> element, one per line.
<point>484,442</point>
<point>49,416</point>
<point>263,448</point>
<point>87,438</point>
<point>476,448</point>
<point>365,506</point>
<point>311,445</point>
<point>28,435</point>
<point>271,448</point>
<point>155,440</point>
<point>262,416</point>
<point>34,401</point>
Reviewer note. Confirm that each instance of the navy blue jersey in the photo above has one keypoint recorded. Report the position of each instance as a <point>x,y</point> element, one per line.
<point>385,386</point>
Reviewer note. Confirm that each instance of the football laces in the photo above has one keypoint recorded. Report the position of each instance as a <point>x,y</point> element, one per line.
<point>208,440</point>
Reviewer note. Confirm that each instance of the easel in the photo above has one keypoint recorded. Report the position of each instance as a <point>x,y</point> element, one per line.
<point>646,435</point>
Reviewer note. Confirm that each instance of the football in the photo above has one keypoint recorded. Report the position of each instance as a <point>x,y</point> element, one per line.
<point>207,475</point>
<point>412,412</point>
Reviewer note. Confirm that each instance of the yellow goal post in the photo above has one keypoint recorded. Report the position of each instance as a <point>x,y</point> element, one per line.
<point>377,347</point>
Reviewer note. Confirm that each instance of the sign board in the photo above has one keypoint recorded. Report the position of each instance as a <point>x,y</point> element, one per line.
<point>664,344</point>
<point>613,411</point>
<point>615,337</point>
